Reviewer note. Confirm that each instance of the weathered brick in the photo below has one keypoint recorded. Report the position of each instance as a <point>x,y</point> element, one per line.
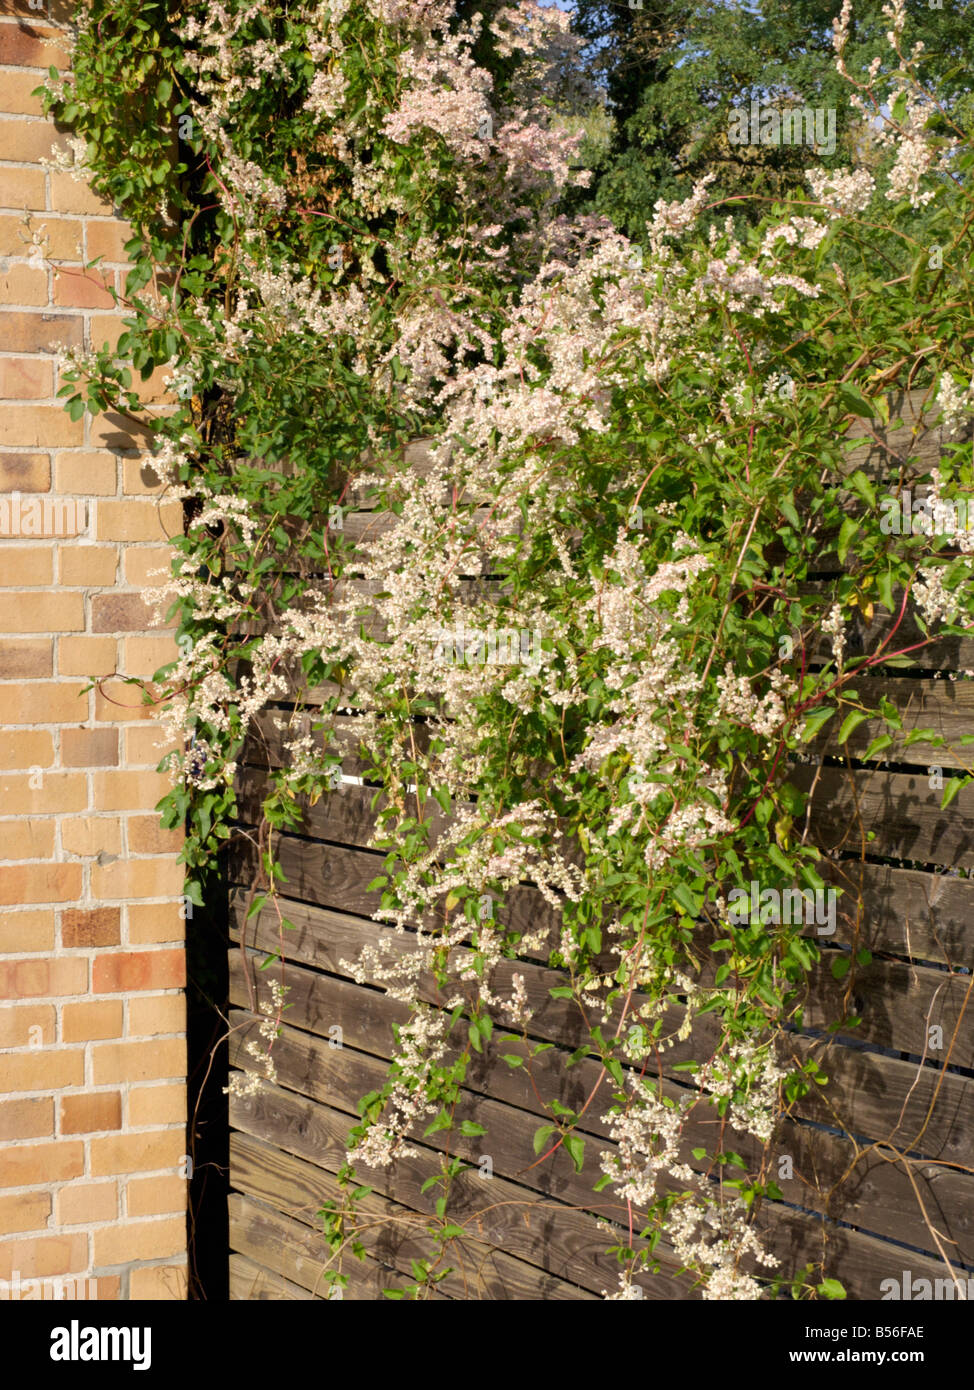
<point>21,932</point>
<point>88,473</point>
<point>91,835</point>
<point>91,1113</point>
<point>83,1204</point>
<point>146,836</point>
<point>85,656</point>
<point>29,1117</point>
<point>89,747</point>
<point>26,378</point>
<point>23,284</point>
<point>159,1283</point>
<point>16,95</point>
<point>139,1240</point>
<point>27,1025</point>
<point>22,658</point>
<point>106,329</point>
<point>24,472</point>
<point>114,612</point>
<point>84,927</point>
<point>27,839</point>
<point>27,1211</point>
<point>88,1022</point>
<point>148,1152</point>
<point>33,139</point>
<point>42,979</point>
<point>88,566</point>
<point>40,883</point>
<point>132,971</point>
<point>160,1060</point>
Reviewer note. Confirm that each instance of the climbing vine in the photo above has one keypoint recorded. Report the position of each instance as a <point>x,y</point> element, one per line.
<point>587,657</point>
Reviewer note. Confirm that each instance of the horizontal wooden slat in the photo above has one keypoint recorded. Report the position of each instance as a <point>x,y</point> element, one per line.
<point>250,1282</point>
<point>888,814</point>
<point>391,1232</point>
<point>318,1002</point>
<point>560,1239</point>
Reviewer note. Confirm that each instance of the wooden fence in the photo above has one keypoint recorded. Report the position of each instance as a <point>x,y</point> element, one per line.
<point>873,1168</point>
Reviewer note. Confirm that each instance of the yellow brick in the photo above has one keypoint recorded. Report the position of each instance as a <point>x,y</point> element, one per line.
<point>63,234</point>
<point>29,1025</point>
<point>26,839</point>
<point>21,188</point>
<point>84,1203</point>
<point>41,1257</point>
<point>27,1211</point>
<point>59,792</point>
<point>86,656</point>
<point>147,565</point>
<point>43,702</point>
<point>88,474</point>
<point>148,1152</point>
<point>144,656</point>
<point>88,566</point>
<point>139,478</point>
<point>89,1022</point>
<point>158,1060</point>
<point>39,612</point>
<point>130,791</point>
<point>26,378</point>
<point>155,1196</point>
<point>25,748</point>
<point>43,979</point>
<point>43,1071</point>
<point>71,195</point>
<point>39,427</point>
<point>157,1105</point>
<point>147,745</point>
<point>139,1240</point>
<point>155,923</point>
<point>23,284</point>
<point>25,565</point>
<point>151,1015</point>
<point>139,520</point>
<point>90,835</point>
<point>116,702</point>
<point>107,240</point>
<point>21,932</point>
<point>40,883</point>
<point>160,1283</point>
<point>159,877</point>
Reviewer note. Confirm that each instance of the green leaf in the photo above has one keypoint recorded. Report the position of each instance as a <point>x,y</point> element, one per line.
<point>951,789</point>
<point>542,1135</point>
<point>855,402</point>
<point>852,722</point>
<point>831,1288</point>
<point>815,720</point>
<point>575,1145</point>
<point>471,1129</point>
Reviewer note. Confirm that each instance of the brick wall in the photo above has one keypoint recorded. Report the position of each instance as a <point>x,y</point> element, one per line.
<point>92,1030</point>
